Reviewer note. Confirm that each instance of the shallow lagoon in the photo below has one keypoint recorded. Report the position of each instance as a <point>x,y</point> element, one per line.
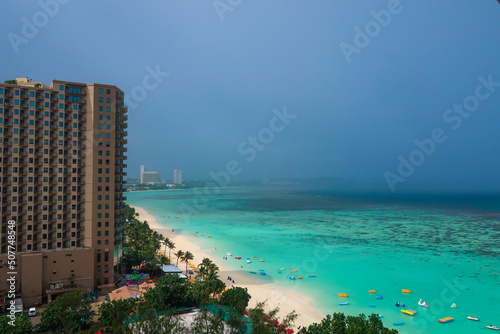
<point>444,248</point>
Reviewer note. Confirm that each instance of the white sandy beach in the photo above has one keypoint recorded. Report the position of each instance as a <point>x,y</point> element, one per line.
<point>287,301</point>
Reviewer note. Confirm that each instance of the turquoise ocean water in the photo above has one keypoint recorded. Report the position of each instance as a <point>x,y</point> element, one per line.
<point>445,249</point>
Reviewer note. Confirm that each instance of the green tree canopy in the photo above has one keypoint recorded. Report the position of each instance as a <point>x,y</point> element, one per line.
<point>22,325</point>
<point>142,245</point>
<point>171,291</point>
<point>111,314</point>
<point>69,313</point>
<point>339,323</point>
<point>237,298</point>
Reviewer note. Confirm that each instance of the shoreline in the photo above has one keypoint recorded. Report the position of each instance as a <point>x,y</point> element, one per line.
<point>286,300</point>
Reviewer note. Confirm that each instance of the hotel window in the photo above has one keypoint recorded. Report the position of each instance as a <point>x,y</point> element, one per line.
<point>101,108</point>
<point>100,91</point>
<point>100,99</point>
<point>108,100</point>
<point>98,242</point>
<point>61,87</point>
<point>106,242</point>
<point>98,233</point>
<point>108,91</point>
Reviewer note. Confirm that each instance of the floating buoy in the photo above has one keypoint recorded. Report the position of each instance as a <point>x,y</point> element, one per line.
<point>300,277</point>
<point>343,294</point>
<point>293,271</point>
<point>406,291</point>
<point>372,291</point>
<point>261,260</point>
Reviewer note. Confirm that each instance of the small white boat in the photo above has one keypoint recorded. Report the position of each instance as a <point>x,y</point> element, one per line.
<point>248,260</point>
<point>493,327</point>
<point>228,253</point>
<point>453,305</point>
<point>472,318</point>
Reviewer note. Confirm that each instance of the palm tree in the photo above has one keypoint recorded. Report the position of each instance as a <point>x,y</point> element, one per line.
<point>171,245</point>
<point>179,254</point>
<point>188,256</point>
<point>206,263</point>
<point>10,82</point>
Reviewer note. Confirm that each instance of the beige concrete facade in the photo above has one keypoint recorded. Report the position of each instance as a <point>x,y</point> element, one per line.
<point>61,181</point>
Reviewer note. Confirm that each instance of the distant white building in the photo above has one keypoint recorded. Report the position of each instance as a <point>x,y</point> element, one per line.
<point>143,169</point>
<point>149,177</point>
<point>177,176</point>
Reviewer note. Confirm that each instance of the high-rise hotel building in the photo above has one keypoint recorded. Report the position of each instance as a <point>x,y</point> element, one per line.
<point>61,180</point>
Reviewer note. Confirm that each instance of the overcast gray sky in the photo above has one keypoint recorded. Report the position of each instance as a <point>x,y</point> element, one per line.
<point>363,81</point>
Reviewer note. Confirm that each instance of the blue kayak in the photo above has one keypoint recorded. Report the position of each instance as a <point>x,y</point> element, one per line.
<point>398,323</point>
